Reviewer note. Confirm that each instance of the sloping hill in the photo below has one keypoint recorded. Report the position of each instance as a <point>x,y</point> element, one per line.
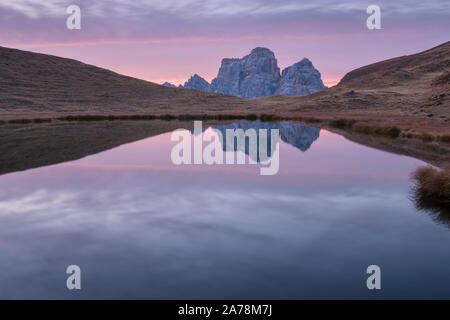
<point>32,82</point>
<point>411,91</point>
<point>401,70</point>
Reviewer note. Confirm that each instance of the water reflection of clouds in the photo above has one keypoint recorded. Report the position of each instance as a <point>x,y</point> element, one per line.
<point>165,234</point>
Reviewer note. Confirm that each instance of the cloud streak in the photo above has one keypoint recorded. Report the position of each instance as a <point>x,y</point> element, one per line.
<point>213,8</point>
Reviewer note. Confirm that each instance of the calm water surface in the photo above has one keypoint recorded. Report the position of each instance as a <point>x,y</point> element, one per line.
<point>142,227</point>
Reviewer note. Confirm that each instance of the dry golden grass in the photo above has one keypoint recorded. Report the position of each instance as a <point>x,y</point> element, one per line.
<point>33,84</point>
<point>354,126</point>
<point>431,193</point>
<point>433,184</point>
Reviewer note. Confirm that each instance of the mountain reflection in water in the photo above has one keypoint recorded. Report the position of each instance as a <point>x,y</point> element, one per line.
<point>298,135</point>
<point>141,227</point>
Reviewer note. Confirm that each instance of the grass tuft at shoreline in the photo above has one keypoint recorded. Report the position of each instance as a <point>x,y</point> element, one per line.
<point>445,138</point>
<point>25,121</point>
<point>353,125</point>
<point>342,123</point>
<point>165,117</point>
<point>431,192</point>
<point>390,132</point>
<point>433,184</point>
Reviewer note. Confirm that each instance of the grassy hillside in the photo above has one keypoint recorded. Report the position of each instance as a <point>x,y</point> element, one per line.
<point>32,82</point>
<point>409,93</point>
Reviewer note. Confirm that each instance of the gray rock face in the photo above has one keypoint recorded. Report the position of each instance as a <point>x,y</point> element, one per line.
<point>257,75</point>
<point>300,79</point>
<point>197,83</point>
<point>298,135</point>
<point>229,78</point>
<point>168,84</point>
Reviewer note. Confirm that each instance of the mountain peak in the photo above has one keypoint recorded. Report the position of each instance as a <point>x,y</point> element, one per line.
<point>168,84</point>
<point>261,51</point>
<point>300,79</point>
<point>196,82</point>
<point>257,75</point>
<point>304,61</point>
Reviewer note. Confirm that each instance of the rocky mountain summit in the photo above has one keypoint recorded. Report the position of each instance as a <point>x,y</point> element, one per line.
<point>197,83</point>
<point>255,75</point>
<point>258,75</point>
<point>168,84</point>
<point>300,79</point>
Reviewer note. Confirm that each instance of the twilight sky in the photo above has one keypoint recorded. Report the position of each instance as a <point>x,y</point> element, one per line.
<point>169,40</point>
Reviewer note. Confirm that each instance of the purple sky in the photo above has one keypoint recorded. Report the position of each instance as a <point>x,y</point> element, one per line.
<point>169,40</point>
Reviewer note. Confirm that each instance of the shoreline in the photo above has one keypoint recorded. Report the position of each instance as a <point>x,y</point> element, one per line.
<point>41,141</point>
<point>410,128</point>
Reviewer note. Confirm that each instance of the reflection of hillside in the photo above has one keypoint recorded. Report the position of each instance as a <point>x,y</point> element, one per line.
<point>25,147</point>
<point>297,135</point>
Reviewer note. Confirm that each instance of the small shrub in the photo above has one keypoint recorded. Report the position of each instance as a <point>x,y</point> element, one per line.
<point>426,137</point>
<point>390,132</point>
<point>310,120</point>
<point>20,121</point>
<point>433,184</point>
<point>445,138</point>
<point>268,117</point>
<point>42,120</point>
<point>167,117</point>
<point>108,117</point>
<point>191,117</point>
<point>138,117</point>
<point>431,193</point>
<point>84,118</point>
<point>251,117</point>
<point>342,123</point>
<point>66,118</point>
<point>227,117</point>
<point>149,117</point>
<point>186,117</point>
